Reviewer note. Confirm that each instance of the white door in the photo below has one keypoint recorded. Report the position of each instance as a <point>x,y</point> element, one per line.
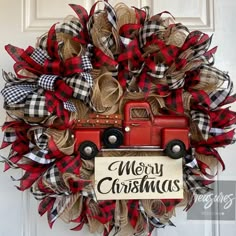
<point>22,21</point>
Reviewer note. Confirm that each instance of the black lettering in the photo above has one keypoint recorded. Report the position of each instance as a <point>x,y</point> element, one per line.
<point>99,188</point>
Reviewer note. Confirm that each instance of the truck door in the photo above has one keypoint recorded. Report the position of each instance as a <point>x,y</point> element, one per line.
<point>139,124</point>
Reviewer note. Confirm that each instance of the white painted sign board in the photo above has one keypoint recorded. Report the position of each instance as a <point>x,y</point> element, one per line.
<point>145,177</point>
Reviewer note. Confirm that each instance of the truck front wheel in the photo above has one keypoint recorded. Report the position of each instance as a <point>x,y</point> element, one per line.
<point>88,150</point>
<point>175,149</point>
<point>112,138</point>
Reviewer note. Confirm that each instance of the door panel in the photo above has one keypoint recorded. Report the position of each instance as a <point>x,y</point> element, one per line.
<point>23,21</point>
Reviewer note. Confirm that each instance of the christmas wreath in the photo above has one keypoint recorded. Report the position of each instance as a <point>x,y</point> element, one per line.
<point>93,63</point>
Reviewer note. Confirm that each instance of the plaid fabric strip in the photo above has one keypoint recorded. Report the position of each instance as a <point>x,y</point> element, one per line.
<point>47,81</point>
<point>77,185</point>
<point>38,155</point>
<point>46,205</point>
<point>195,183</point>
<point>202,45</point>
<point>223,118</point>
<point>54,180</point>
<point>69,106</point>
<point>41,139</point>
<point>88,192</point>
<point>149,28</point>
<point>107,209</point>
<point>33,172</point>
<point>217,97</point>
<point>175,100</point>
<point>174,83</point>
<point>160,70</point>
<point>72,28</point>
<point>35,106</point>
<point>111,14</point>
<point>81,87</point>
<point>203,121</point>
<point>69,164</point>
<point>9,137</point>
<point>17,93</point>
<point>81,13</point>
<point>39,55</point>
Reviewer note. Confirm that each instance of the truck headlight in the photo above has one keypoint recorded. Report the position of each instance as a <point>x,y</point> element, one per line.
<point>127,129</point>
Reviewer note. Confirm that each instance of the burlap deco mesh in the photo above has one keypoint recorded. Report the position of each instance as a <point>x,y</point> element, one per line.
<point>154,208</point>
<point>74,209</point>
<point>121,213</point>
<point>106,94</point>
<point>124,15</point>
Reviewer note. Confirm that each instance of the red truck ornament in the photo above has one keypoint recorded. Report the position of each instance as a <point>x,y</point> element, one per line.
<point>138,130</point>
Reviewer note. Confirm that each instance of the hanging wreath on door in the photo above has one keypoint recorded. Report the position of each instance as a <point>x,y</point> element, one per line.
<point>94,63</point>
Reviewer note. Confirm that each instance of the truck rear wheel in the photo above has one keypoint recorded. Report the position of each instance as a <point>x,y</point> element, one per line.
<point>88,150</point>
<point>175,149</point>
<point>112,138</point>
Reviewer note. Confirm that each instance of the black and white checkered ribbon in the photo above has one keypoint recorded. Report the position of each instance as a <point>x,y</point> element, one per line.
<point>47,82</point>
<point>9,136</point>
<point>72,27</point>
<point>38,155</point>
<point>87,66</point>
<point>203,122</point>
<point>39,55</point>
<point>194,182</point>
<point>159,71</point>
<point>18,93</point>
<point>35,106</point>
<point>80,85</point>
<point>149,28</point>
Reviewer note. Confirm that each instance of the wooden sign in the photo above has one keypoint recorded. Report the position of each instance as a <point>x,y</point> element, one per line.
<point>146,177</point>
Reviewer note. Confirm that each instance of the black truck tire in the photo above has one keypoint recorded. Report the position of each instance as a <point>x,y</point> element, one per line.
<point>175,149</point>
<point>112,138</point>
<point>88,150</point>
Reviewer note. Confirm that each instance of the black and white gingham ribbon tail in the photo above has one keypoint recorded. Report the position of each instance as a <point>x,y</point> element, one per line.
<point>219,95</point>
<point>38,195</point>
<point>54,178</point>
<point>38,155</point>
<point>195,183</point>
<point>111,14</point>
<point>18,93</point>
<point>72,27</point>
<point>39,55</point>
<point>9,136</point>
<point>89,193</point>
<point>174,83</point>
<point>203,122</point>
<point>59,206</point>
<point>202,48</point>
<point>159,71</point>
<point>47,82</point>
<point>149,28</point>
<point>191,162</point>
<point>41,139</point>
<point>69,106</point>
<point>35,106</point>
<point>80,86</point>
